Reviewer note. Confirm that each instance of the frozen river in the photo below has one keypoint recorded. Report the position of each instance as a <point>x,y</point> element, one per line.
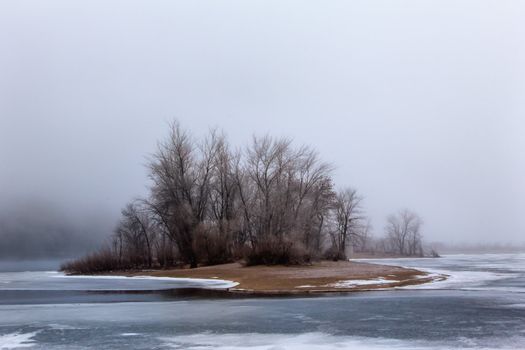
<point>481,305</point>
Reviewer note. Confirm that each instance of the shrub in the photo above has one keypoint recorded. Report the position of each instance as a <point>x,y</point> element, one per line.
<point>212,247</point>
<point>103,260</point>
<point>334,254</point>
<point>275,251</point>
<point>434,254</point>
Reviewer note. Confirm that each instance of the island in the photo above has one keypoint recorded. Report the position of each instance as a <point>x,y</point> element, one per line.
<point>267,217</point>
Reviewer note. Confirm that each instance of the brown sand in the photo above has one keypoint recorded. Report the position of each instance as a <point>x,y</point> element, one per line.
<point>320,277</point>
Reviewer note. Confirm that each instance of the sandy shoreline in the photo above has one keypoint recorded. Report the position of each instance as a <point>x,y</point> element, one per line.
<point>321,277</point>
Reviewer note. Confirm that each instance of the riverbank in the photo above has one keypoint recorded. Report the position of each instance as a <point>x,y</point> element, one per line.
<point>320,277</point>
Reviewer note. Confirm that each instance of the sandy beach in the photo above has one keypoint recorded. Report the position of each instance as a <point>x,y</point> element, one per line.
<point>320,277</point>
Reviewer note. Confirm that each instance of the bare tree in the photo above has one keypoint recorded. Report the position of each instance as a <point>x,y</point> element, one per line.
<point>180,188</point>
<point>403,233</point>
<point>314,194</point>
<point>348,218</point>
<point>224,195</point>
<point>364,240</point>
<point>133,236</point>
<point>284,194</point>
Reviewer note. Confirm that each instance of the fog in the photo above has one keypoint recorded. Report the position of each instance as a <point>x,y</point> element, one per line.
<point>417,105</point>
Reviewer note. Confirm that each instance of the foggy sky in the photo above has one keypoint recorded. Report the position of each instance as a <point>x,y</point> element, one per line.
<point>418,104</point>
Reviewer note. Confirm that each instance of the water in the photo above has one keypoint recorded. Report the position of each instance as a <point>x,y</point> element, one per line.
<point>482,305</point>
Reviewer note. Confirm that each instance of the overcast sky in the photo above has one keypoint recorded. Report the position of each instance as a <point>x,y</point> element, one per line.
<point>418,104</point>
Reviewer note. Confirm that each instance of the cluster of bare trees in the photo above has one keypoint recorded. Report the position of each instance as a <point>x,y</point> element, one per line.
<point>402,237</point>
<point>403,233</point>
<point>269,203</point>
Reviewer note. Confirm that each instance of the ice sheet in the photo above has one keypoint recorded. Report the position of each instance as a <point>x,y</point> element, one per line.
<point>319,341</point>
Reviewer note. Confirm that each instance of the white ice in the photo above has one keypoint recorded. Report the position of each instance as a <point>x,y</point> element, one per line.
<point>210,283</point>
<point>51,280</point>
<point>464,271</point>
<point>314,341</point>
<point>354,283</point>
<point>17,340</point>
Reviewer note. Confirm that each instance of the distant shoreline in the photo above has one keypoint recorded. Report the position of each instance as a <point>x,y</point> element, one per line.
<point>320,277</point>
<point>381,255</point>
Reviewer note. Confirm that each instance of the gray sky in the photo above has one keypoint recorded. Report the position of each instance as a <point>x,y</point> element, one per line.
<point>418,104</point>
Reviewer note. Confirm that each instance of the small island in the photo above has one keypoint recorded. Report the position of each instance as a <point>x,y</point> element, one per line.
<point>267,217</point>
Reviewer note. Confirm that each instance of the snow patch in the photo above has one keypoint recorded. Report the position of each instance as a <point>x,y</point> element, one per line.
<point>17,340</point>
<point>355,283</point>
<point>206,283</point>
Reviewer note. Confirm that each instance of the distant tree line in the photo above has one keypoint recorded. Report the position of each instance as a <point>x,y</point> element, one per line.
<point>269,203</point>
<point>402,237</point>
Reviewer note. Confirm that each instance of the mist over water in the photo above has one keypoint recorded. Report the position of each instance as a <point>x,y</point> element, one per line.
<point>27,264</point>
<point>32,230</point>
